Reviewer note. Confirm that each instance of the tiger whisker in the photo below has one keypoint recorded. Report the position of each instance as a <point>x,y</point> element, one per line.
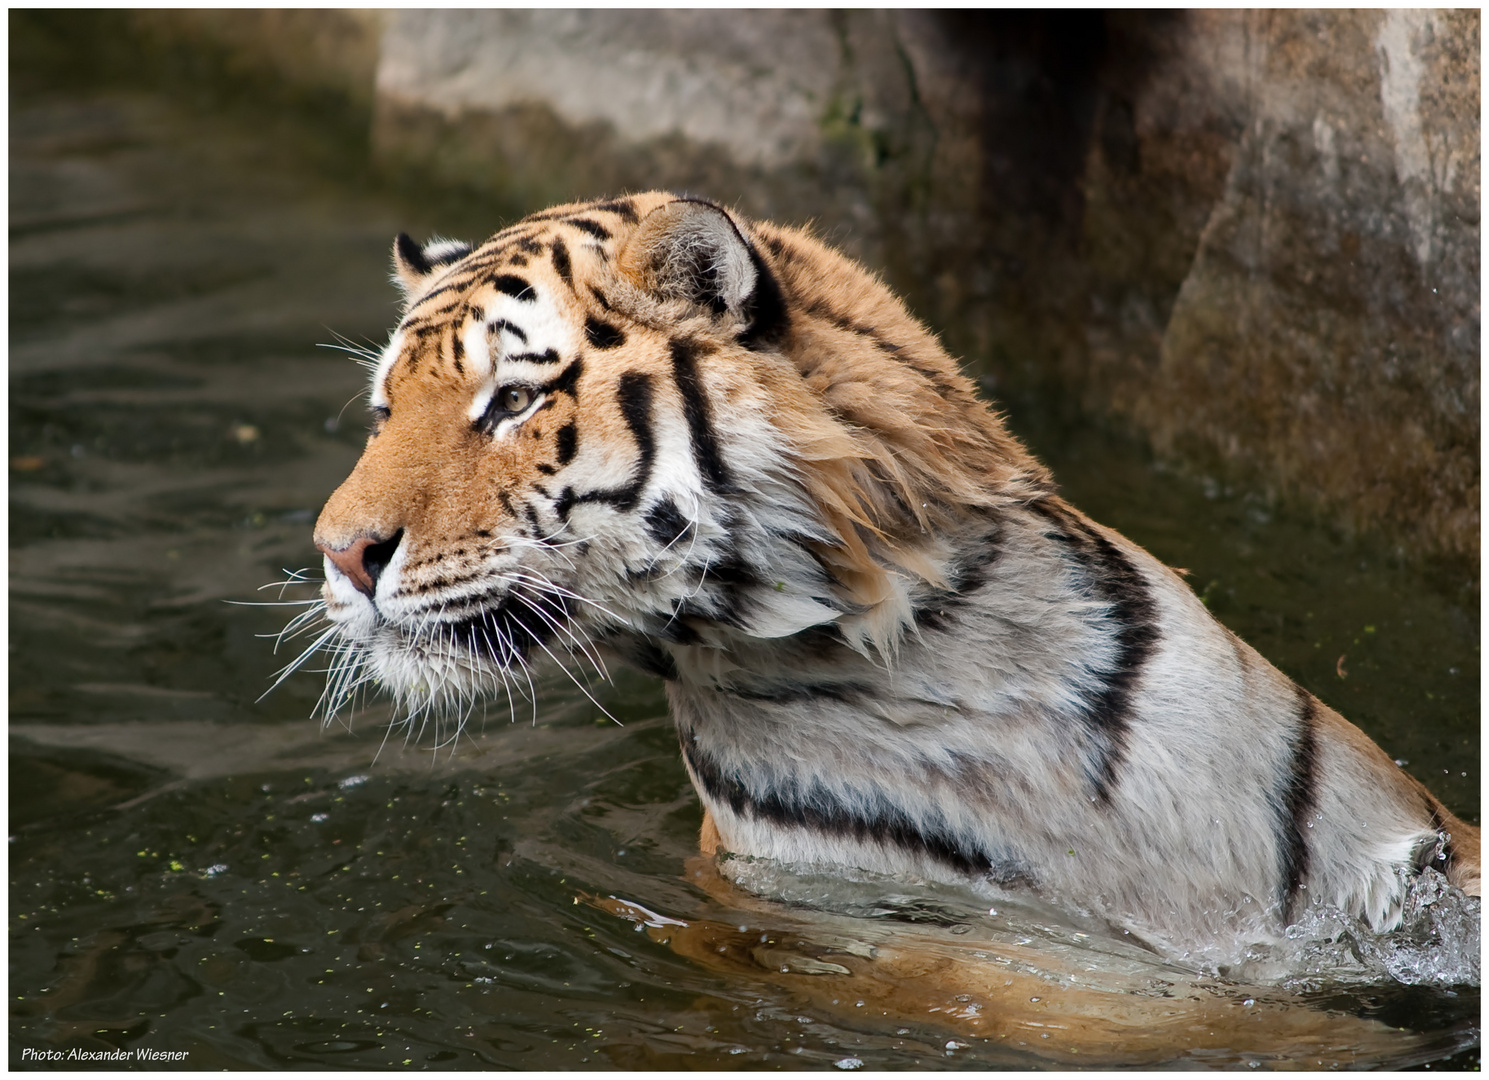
<point>677,606</point>
<point>295,664</point>
<point>578,684</point>
<point>538,610</point>
<point>534,577</point>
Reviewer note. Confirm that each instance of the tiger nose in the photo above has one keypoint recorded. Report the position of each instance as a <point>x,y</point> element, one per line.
<point>364,559</point>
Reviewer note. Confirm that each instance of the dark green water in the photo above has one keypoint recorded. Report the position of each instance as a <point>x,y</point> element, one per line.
<point>192,869</point>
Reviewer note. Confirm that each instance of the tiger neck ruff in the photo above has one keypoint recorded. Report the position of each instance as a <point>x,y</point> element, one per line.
<point>648,427</point>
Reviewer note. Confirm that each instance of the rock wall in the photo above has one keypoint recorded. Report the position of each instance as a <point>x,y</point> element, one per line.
<point>1253,236</point>
<point>1325,334</point>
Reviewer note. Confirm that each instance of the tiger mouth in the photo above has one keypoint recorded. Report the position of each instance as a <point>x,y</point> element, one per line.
<point>506,633</point>
<point>510,632</point>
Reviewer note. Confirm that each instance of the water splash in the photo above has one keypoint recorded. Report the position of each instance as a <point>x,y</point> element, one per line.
<point>1436,944</point>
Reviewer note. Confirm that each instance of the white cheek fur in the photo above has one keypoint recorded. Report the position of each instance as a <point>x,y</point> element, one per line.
<point>378,398</point>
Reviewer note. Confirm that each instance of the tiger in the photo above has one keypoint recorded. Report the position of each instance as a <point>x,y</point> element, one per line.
<point>653,430</point>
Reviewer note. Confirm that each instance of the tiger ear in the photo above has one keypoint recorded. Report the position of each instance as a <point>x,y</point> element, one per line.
<point>692,250</point>
<point>413,265</point>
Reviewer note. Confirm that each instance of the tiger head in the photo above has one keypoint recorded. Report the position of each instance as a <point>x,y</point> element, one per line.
<point>648,425</point>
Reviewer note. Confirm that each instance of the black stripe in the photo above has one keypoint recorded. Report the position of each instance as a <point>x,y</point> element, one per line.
<point>817,809</point>
<point>457,350</point>
<point>493,254</point>
<point>625,209</point>
<point>603,335</point>
<point>647,656</point>
<point>777,247</point>
<point>789,693</point>
<point>665,523</point>
<point>820,309</point>
<point>699,415</point>
<point>843,322</point>
<point>1130,605</point>
<point>568,442</point>
<point>1295,801</point>
<point>421,312</point>
<point>427,318</point>
<point>515,286</point>
<point>547,356</point>
<point>937,610</point>
<point>565,382</point>
<point>1134,610</point>
<point>634,394</point>
<point>561,262</point>
<point>594,228</point>
<point>462,278</point>
<point>511,328</point>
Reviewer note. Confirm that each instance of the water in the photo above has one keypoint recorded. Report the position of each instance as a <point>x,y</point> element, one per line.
<point>195,870</point>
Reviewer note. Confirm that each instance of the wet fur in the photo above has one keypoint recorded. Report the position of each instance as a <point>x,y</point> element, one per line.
<point>888,643</point>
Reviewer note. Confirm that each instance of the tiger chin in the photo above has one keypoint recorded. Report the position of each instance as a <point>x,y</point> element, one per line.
<point>650,428</point>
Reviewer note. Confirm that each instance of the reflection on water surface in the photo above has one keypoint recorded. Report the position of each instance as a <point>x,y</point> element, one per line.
<point>192,869</point>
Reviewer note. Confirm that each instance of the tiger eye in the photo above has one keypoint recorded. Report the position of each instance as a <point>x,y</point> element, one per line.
<point>514,399</point>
